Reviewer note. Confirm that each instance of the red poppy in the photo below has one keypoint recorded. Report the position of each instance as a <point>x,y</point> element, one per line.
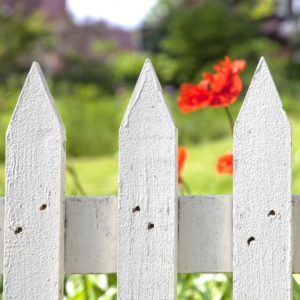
<point>225,164</point>
<point>226,84</point>
<point>182,155</point>
<point>193,97</point>
<point>236,66</point>
<point>216,90</point>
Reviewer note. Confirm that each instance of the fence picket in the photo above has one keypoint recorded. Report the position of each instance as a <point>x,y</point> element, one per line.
<point>34,207</point>
<point>147,220</point>
<point>262,203</point>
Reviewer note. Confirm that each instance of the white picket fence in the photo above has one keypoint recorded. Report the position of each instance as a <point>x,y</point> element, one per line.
<point>148,234</point>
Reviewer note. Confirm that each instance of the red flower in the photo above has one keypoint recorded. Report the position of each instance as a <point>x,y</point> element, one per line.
<point>182,155</point>
<point>225,164</point>
<point>219,89</point>
<point>193,97</point>
<point>236,66</point>
<point>225,85</point>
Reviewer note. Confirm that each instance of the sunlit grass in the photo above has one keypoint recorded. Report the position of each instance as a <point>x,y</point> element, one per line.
<point>99,175</point>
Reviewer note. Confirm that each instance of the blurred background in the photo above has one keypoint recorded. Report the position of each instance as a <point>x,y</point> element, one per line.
<point>92,52</point>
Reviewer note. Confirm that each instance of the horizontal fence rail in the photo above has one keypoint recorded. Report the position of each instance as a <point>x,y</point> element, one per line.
<point>205,234</point>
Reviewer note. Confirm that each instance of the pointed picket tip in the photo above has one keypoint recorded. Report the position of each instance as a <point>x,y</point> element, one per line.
<point>262,98</point>
<point>35,96</point>
<point>262,70</point>
<point>147,92</point>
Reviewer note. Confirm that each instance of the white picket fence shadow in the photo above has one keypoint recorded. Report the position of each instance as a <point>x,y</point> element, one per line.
<point>147,234</point>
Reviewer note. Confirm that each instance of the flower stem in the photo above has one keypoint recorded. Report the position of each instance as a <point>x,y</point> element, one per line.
<point>230,119</point>
<point>76,180</point>
<point>185,186</point>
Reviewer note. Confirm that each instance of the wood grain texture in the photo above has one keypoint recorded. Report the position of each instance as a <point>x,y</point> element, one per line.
<point>91,234</point>
<point>34,207</point>
<point>147,212</point>
<point>262,202</point>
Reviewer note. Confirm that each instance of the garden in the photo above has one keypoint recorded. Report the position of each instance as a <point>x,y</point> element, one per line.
<point>204,72</point>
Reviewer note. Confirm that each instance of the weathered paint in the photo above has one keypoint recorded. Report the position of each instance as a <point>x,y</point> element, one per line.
<point>262,201</point>
<point>147,211</point>
<point>34,205</point>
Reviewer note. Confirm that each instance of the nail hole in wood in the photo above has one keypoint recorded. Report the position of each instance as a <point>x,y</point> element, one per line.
<point>137,208</point>
<point>43,207</point>
<point>150,226</point>
<point>271,213</point>
<point>251,239</point>
<point>18,230</point>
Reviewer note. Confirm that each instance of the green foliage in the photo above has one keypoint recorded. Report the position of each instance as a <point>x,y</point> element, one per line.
<point>91,287</point>
<point>195,35</point>
<point>108,67</point>
<point>80,70</point>
<point>263,9</point>
<point>188,37</point>
<point>258,9</point>
<point>255,48</point>
<point>127,66</point>
<point>92,118</point>
<point>204,287</point>
<point>83,58</point>
<point>20,37</point>
<point>92,126</point>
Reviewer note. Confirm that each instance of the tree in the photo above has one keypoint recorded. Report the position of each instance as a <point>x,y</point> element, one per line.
<point>188,36</point>
<point>20,36</point>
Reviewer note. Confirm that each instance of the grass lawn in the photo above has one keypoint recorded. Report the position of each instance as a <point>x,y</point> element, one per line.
<point>99,175</point>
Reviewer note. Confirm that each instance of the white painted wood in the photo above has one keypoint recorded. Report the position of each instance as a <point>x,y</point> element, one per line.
<point>91,245</point>
<point>262,202</point>
<point>34,207</point>
<point>147,212</point>
<point>91,235</point>
<point>205,238</point>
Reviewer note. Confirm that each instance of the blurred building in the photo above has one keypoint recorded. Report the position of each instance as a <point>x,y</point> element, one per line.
<point>52,9</point>
<point>70,39</point>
